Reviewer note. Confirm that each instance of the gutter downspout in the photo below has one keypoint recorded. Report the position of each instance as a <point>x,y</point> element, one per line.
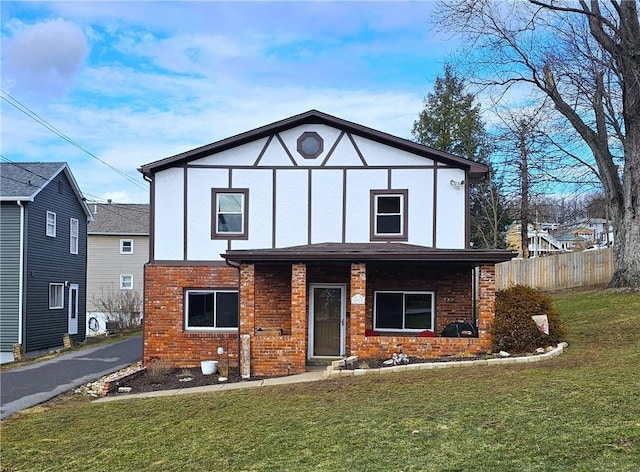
<point>21,274</point>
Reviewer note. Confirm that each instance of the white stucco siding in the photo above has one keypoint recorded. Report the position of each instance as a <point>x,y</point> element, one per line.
<point>200,246</point>
<point>450,210</point>
<point>328,134</point>
<point>169,214</point>
<point>345,155</point>
<point>376,154</point>
<point>260,225</point>
<point>292,207</point>
<point>244,155</point>
<point>358,208</point>
<point>326,205</point>
<point>419,184</point>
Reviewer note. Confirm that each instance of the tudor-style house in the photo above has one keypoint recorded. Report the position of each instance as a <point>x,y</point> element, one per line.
<point>313,237</point>
<point>43,242</point>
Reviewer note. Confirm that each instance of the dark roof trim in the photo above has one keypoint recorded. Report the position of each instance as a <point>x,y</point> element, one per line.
<point>476,170</point>
<point>381,252</point>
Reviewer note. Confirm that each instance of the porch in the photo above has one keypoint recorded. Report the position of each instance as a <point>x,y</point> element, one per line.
<point>335,300</point>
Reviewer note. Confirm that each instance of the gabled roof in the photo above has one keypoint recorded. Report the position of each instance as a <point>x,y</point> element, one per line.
<point>476,170</point>
<point>25,180</point>
<point>119,218</point>
<point>352,252</point>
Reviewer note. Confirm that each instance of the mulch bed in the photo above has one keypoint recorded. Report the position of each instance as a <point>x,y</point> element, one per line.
<point>149,381</point>
<point>170,379</point>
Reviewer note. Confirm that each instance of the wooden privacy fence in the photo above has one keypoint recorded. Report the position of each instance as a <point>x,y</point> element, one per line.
<point>573,269</point>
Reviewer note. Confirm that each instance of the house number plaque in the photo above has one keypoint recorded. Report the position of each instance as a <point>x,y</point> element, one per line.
<point>357,300</point>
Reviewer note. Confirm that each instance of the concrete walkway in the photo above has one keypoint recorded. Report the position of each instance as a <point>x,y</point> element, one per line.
<point>310,376</point>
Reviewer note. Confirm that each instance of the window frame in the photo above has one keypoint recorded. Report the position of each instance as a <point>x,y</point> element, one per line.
<point>404,294</point>
<point>244,233</point>
<point>215,292</point>
<point>50,226</point>
<point>60,286</point>
<point>404,208</point>
<point>122,242</point>
<point>123,277</point>
<point>74,238</point>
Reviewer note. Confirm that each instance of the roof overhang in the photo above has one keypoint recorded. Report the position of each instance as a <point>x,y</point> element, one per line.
<point>475,170</point>
<point>364,252</point>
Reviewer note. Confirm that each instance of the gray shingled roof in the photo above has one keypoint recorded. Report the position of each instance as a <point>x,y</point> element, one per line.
<point>119,218</point>
<point>23,180</point>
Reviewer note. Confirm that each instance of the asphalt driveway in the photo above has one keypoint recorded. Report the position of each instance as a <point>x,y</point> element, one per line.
<point>30,385</point>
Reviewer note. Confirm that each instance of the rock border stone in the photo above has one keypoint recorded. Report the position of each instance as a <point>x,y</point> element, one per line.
<point>340,368</point>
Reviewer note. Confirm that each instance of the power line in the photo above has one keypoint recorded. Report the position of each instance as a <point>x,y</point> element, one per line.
<point>14,102</point>
<point>44,179</point>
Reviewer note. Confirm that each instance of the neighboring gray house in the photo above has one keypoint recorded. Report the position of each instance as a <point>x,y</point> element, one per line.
<point>118,244</point>
<point>43,256</point>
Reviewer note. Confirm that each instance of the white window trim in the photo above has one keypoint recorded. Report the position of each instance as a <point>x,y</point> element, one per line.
<point>59,286</point>
<point>204,328</point>
<point>400,214</point>
<point>122,251</point>
<point>404,292</point>
<point>122,278</point>
<point>51,227</point>
<point>74,236</point>
<point>244,213</point>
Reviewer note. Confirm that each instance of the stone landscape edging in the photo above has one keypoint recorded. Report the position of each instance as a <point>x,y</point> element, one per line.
<point>336,368</point>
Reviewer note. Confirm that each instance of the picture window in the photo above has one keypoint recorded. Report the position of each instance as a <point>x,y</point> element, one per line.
<point>211,309</point>
<point>403,311</point>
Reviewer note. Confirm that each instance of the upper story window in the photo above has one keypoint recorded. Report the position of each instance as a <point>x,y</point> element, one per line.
<point>389,215</point>
<point>310,145</point>
<point>73,235</point>
<point>403,311</point>
<point>126,246</point>
<point>51,224</point>
<point>56,296</point>
<point>210,309</point>
<point>230,213</point>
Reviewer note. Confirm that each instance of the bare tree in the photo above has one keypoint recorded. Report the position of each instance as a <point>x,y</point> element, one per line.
<point>584,57</point>
<point>119,306</point>
<point>526,161</point>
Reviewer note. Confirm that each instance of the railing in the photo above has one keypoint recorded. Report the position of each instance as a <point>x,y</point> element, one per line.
<point>562,271</point>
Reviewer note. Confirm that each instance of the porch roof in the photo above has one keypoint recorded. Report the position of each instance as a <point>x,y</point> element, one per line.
<point>361,252</point>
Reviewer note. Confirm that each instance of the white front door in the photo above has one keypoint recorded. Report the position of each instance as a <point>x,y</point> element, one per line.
<point>326,320</point>
<point>73,309</point>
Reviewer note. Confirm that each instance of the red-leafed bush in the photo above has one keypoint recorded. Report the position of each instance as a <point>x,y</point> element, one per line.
<point>514,330</point>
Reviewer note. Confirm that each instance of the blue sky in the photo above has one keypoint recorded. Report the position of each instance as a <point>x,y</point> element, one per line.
<point>134,82</point>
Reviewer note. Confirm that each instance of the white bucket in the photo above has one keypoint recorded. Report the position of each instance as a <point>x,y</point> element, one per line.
<point>208,367</point>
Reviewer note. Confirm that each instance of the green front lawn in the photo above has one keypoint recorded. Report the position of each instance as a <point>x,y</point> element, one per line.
<point>578,412</point>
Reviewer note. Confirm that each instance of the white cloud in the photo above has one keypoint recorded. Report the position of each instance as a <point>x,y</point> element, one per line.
<point>44,57</point>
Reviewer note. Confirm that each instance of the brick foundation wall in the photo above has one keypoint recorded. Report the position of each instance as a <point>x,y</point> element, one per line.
<point>164,335</point>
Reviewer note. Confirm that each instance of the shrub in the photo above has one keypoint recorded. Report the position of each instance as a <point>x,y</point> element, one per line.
<point>514,330</point>
<point>158,369</point>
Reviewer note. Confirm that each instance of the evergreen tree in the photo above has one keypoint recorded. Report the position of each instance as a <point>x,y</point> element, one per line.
<point>451,122</point>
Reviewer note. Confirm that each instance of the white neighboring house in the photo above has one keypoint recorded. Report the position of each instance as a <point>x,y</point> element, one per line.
<point>118,249</point>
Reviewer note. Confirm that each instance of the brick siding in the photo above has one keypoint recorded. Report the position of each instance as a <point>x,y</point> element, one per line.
<point>164,335</point>
<point>275,296</point>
